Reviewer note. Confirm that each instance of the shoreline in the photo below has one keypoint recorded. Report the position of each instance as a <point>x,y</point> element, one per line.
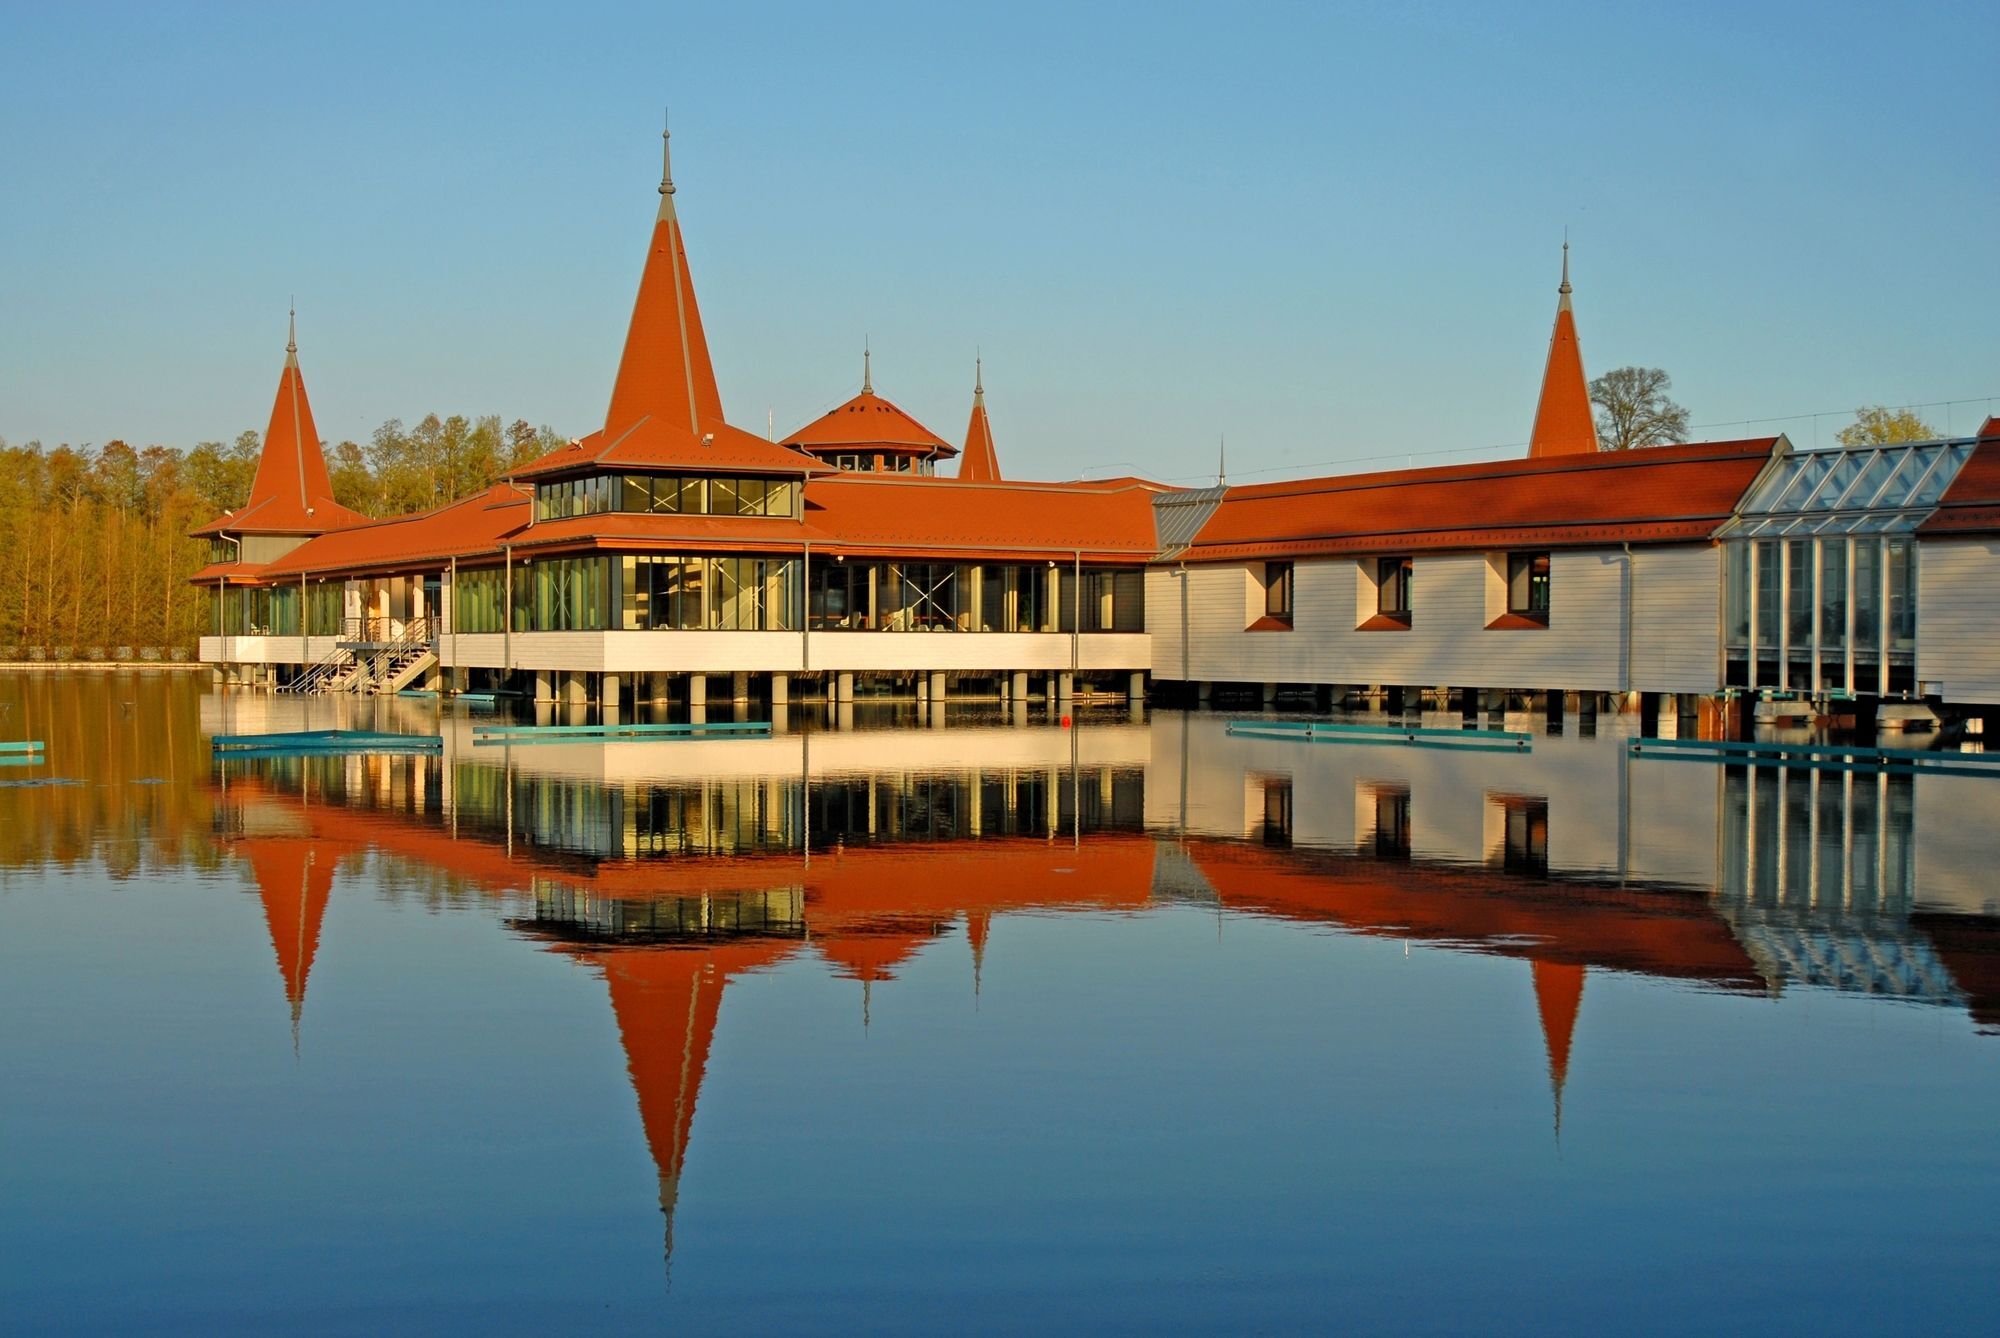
<point>99,666</point>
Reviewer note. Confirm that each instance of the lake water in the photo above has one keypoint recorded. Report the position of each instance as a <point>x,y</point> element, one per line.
<point>995,1027</point>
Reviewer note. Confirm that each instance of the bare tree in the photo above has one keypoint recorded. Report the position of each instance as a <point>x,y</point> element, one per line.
<point>1633,409</point>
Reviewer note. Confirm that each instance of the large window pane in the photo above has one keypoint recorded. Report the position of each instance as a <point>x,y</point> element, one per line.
<point>1833,594</point>
<point>1867,594</point>
<point>1799,618</point>
<point>1902,595</point>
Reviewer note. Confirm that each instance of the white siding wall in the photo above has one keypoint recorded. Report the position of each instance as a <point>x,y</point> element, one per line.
<point>1958,618</point>
<point>1677,619</point>
<point>263,649</point>
<point>1448,644</point>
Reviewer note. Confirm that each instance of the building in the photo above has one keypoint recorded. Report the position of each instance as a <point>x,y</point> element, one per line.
<point>772,563</point>
<point>670,548</point>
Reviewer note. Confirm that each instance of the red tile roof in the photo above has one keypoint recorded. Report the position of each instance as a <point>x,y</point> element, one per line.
<point>868,422</point>
<point>664,533</point>
<point>229,573</point>
<point>655,443</point>
<point>865,514</point>
<point>1971,505</point>
<point>468,528</point>
<point>1662,494</point>
<point>291,493</point>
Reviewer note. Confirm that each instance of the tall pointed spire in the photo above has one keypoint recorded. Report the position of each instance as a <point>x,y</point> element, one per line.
<point>665,372</point>
<point>980,462</point>
<point>291,493</point>
<point>867,371</point>
<point>1558,997</point>
<point>1564,424</point>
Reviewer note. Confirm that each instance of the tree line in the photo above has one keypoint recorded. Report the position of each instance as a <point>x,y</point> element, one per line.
<point>94,549</point>
<point>95,555</point>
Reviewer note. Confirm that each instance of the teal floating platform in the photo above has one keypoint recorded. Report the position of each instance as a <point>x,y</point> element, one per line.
<point>326,741</point>
<point>722,729</point>
<point>1410,736</point>
<point>1818,757</point>
<point>21,746</point>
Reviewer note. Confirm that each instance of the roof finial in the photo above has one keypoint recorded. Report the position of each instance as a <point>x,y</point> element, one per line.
<point>1564,289</point>
<point>666,155</point>
<point>867,371</point>
<point>978,376</point>
<point>292,329</point>
<point>1222,461</point>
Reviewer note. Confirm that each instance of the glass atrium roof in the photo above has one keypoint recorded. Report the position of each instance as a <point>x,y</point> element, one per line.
<point>1850,490</point>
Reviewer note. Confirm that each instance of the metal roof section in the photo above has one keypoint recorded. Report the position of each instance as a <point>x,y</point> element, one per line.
<point>1851,490</point>
<point>1179,516</point>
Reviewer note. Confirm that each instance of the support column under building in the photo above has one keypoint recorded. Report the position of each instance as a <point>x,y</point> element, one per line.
<point>1017,687</point>
<point>843,686</point>
<point>739,686</point>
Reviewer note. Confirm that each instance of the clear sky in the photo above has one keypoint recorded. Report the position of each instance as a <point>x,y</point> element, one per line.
<point>1330,232</point>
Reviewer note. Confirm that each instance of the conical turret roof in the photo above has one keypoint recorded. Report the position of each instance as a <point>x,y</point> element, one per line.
<point>980,463</point>
<point>292,493</point>
<point>1564,422</point>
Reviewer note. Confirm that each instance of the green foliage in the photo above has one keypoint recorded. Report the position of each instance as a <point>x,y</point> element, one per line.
<point>94,549</point>
<point>1879,425</point>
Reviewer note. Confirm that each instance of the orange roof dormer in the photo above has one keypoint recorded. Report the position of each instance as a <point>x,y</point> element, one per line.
<point>292,493</point>
<point>1564,423</point>
<point>979,464</point>
<point>868,426</point>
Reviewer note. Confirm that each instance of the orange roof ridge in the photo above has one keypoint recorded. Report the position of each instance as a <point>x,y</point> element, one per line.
<point>980,463</point>
<point>1514,467</point>
<point>665,370</point>
<point>1564,421</point>
<point>292,493</point>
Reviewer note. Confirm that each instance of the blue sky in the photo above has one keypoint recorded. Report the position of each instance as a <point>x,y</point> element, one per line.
<point>1330,232</point>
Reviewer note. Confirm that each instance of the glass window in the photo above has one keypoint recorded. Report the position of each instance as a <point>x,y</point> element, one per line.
<point>476,599</point>
<point>1833,594</point>
<point>1278,590</point>
<point>1799,619</point>
<point>1736,614</point>
<point>1392,586</point>
<point>1902,595</point>
<point>636,493</point>
<point>1867,594</point>
<point>1769,586</point>
<point>1528,585</point>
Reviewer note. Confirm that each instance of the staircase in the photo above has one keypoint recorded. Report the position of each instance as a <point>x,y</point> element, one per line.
<point>331,674</point>
<point>376,655</point>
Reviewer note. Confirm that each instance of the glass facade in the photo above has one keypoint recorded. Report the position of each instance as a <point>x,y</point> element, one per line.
<point>478,600</point>
<point>752,593</point>
<point>667,494</point>
<point>1822,551</point>
<point>972,597</point>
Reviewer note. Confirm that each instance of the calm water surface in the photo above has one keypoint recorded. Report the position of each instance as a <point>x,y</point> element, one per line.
<point>994,1027</point>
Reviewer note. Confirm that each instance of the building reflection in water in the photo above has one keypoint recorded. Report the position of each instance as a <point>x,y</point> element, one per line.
<point>1572,859</point>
